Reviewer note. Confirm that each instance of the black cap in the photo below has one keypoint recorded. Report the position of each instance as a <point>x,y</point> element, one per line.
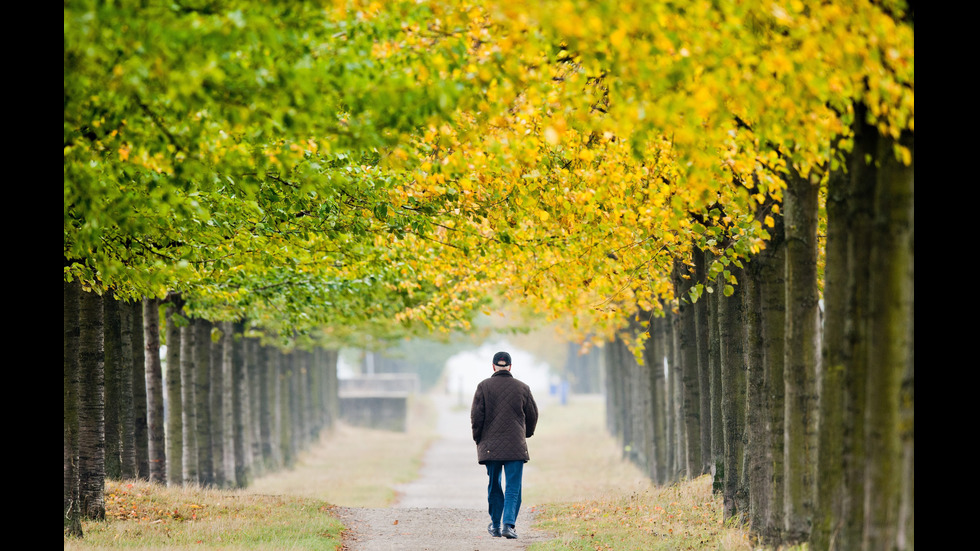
<point>501,359</point>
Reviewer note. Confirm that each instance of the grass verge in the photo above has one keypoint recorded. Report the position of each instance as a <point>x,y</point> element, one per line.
<point>590,498</point>
<point>681,516</point>
<point>150,516</point>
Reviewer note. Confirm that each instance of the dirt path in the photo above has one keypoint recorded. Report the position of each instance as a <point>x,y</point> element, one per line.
<point>445,509</point>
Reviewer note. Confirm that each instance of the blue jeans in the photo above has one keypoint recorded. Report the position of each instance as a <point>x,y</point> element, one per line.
<point>504,504</point>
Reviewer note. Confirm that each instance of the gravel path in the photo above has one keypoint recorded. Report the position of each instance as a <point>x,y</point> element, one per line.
<point>445,509</point>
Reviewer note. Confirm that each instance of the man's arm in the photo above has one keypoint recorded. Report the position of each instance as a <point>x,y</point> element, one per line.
<point>530,415</point>
<point>477,411</point>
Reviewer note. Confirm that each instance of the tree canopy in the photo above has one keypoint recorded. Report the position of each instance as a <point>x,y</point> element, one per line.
<point>379,166</point>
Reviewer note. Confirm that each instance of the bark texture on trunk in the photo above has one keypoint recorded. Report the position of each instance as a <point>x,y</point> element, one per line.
<point>889,346</point>
<point>72,510</point>
<point>188,402</point>
<point>731,334</point>
<point>829,502</point>
<point>773,296</point>
<point>758,449</point>
<point>127,407</point>
<point>218,407</point>
<point>175,431</point>
<point>243,465</point>
<point>202,401</point>
<point>690,372</point>
<point>703,361</point>
<point>227,404</point>
<point>91,407</point>
<point>141,433</point>
<point>156,441</point>
<point>801,353</point>
<point>654,356</point>
<point>112,347</point>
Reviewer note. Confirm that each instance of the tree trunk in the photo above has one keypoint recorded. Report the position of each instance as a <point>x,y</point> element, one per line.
<point>112,346</point>
<point>889,347</point>
<point>285,410</point>
<point>227,404</point>
<point>140,410</point>
<point>267,410</point>
<point>156,442</point>
<point>73,514</point>
<point>256,360</point>
<point>217,396</point>
<point>758,450</point>
<point>773,296</point>
<point>704,365</point>
<point>801,350</point>
<point>188,401</point>
<point>687,351</point>
<point>714,366</point>
<point>906,513</point>
<point>731,334</point>
<point>202,401</point>
<point>91,407</point>
<point>175,445</point>
<point>658,397</point>
<point>243,466</point>
<point>127,398</point>
<point>671,467</point>
<point>829,502</point>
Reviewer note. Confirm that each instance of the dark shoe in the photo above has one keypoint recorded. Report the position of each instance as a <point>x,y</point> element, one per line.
<point>508,532</point>
<point>493,530</point>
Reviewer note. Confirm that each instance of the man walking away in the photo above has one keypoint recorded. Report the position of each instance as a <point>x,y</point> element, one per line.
<point>503,416</point>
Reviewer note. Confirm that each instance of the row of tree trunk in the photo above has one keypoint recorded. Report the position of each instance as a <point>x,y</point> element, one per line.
<point>804,417</point>
<point>222,409</point>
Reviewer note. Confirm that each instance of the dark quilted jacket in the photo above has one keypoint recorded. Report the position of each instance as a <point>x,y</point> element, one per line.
<point>503,415</point>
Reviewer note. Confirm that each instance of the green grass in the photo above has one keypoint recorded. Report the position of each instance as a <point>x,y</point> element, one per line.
<point>290,509</point>
<point>140,515</point>
<point>590,498</point>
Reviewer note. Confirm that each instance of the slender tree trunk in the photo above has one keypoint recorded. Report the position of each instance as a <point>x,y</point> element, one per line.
<point>217,407</point>
<point>658,391</point>
<point>227,403</point>
<point>188,401</point>
<point>276,371</point>
<point>829,504</point>
<point>670,377</point>
<point>732,338</point>
<point>73,514</point>
<point>773,296</point>
<point>91,407</point>
<point>127,408</point>
<point>256,366</point>
<point>286,409</point>
<point>112,347</point>
<point>676,380</point>
<point>202,401</point>
<point>802,334</point>
<point>687,350</point>
<point>714,366</point>
<point>175,445</point>
<point>889,347</point>
<point>267,404</point>
<point>704,365</point>
<point>906,513</point>
<point>243,467</point>
<point>758,450</point>
<point>140,412</point>
<point>156,441</point>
